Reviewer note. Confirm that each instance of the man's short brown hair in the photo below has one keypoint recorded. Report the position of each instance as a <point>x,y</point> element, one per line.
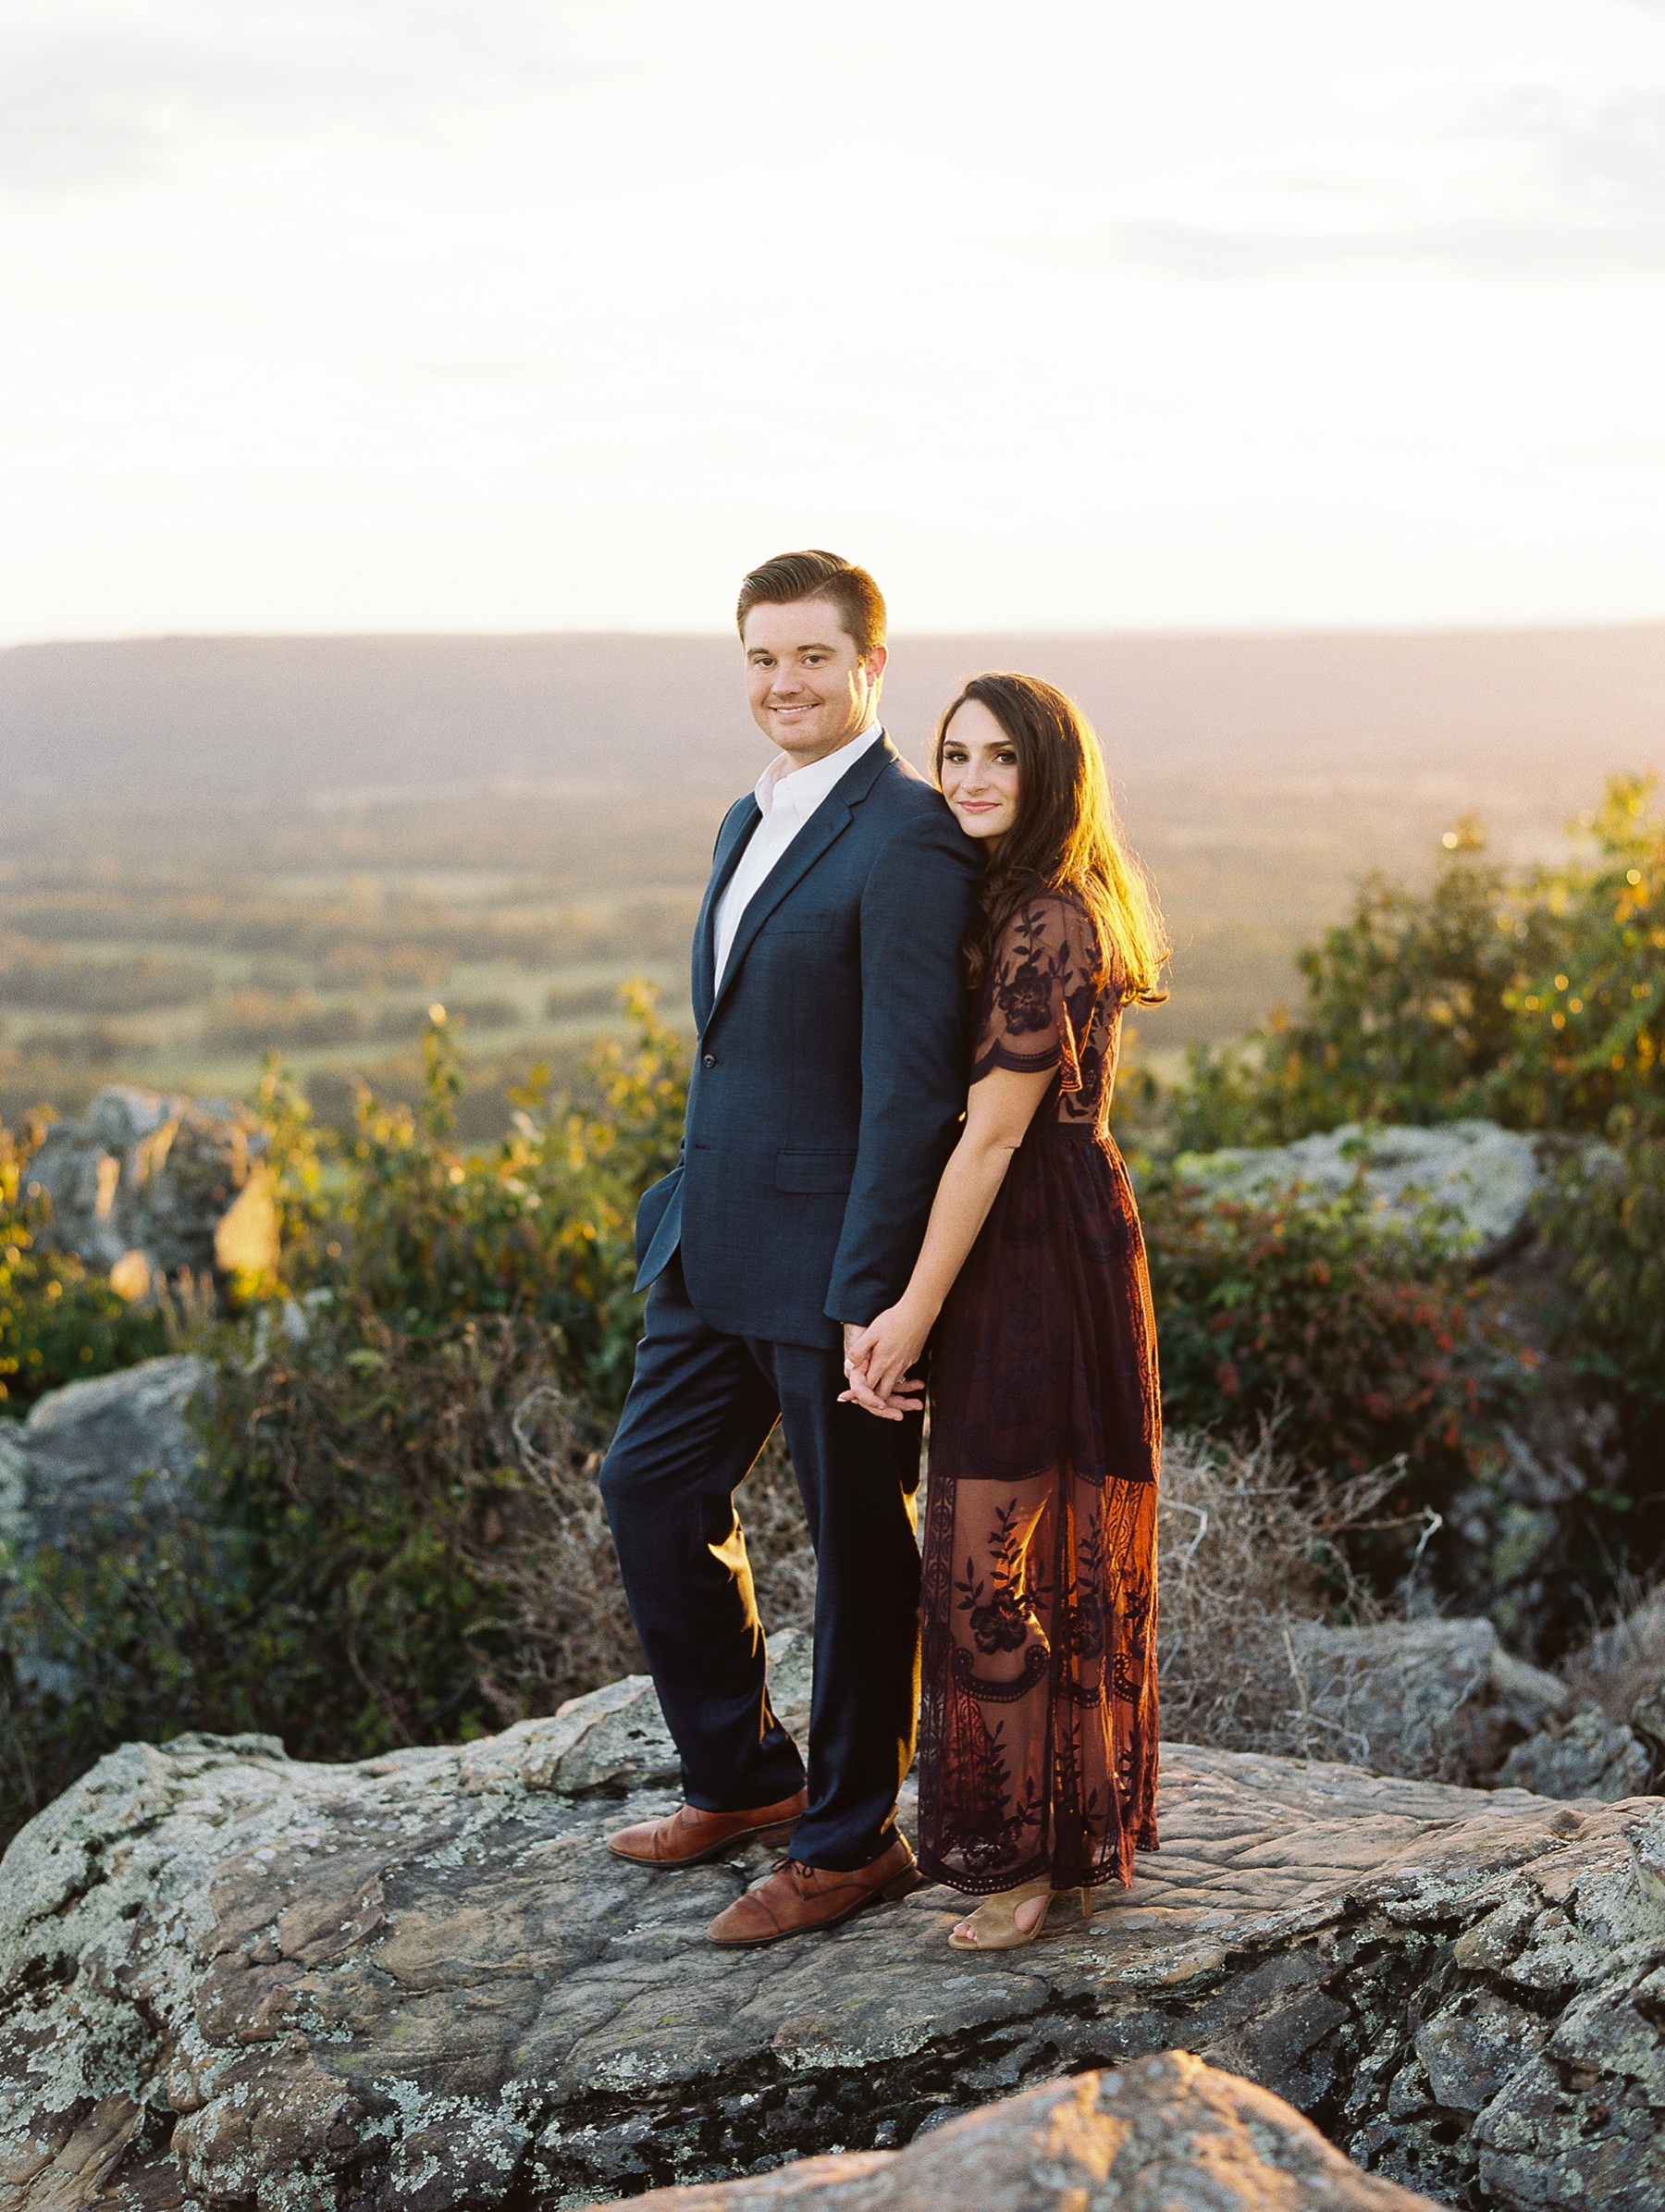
<point>815,575</point>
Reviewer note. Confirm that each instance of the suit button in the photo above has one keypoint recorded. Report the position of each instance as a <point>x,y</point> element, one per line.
<point>710,1060</point>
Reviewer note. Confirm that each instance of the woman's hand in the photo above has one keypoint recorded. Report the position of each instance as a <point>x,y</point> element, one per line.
<point>879,1361</point>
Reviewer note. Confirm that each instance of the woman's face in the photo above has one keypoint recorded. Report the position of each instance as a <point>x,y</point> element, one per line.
<point>979,774</point>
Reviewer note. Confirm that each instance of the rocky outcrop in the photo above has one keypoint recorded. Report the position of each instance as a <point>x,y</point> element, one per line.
<point>1439,1697</point>
<point>1159,2134</point>
<point>118,1442</point>
<point>1484,1177</point>
<point>147,1187</point>
<point>421,1980</point>
<point>1506,1534</point>
<point>1591,1757</point>
<point>97,1443</point>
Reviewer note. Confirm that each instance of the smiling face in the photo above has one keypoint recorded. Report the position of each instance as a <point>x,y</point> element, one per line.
<point>980,776</point>
<point>811,691</point>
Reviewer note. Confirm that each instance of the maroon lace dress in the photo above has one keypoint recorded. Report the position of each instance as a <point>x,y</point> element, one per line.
<point>1038,1721</point>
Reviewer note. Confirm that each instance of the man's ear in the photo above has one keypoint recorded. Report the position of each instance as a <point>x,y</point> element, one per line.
<point>875,662</point>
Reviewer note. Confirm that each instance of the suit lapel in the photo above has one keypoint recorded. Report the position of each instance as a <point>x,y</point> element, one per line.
<point>828,824</point>
<point>736,835</point>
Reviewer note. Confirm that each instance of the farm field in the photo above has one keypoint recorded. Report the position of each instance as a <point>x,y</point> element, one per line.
<point>214,849</point>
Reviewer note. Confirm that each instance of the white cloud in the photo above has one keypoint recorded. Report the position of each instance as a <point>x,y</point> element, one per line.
<point>500,314</point>
<point>99,91</point>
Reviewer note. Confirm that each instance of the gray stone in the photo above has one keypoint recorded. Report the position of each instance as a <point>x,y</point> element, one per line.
<point>1485,1177</point>
<point>1647,1719</point>
<point>120,1441</point>
<point>97,1443</point>
<point>1425,1697</point>
<point>146,1187</point>
<point>1159,2134</point>
<point>615,1738</point>
<point>1647,1856</point>
<point>1591,1756</point>
<point>232,1977</point>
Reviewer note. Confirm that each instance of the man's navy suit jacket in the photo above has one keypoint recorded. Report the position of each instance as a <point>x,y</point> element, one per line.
<point>830,1072</point>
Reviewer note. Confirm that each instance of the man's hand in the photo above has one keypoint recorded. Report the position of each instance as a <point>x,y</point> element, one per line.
<point>877,1363</point>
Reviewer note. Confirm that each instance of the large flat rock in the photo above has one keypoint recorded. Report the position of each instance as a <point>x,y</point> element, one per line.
<point>421,1981</point>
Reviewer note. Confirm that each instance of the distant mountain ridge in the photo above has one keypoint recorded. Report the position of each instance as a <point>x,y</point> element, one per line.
<point>228,717</point>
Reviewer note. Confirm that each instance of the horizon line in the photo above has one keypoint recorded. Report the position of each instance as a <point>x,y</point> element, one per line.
<point>1180,633</point>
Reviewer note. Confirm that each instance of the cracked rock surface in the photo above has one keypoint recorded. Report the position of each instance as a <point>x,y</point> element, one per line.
<point>233,1979</point>
<point>1162,2132</point>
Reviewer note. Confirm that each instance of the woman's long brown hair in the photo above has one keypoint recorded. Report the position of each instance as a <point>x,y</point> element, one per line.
<point>1066,837</point>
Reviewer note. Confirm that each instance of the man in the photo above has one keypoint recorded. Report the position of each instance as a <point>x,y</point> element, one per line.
<point>828,1080</point>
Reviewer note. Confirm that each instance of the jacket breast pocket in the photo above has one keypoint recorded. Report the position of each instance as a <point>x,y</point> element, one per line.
<point>814,1170</point>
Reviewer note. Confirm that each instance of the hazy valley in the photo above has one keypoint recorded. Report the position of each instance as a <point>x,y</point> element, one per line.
<point>211,849</point>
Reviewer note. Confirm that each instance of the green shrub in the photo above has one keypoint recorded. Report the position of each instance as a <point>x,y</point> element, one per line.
<point>342,1572</point>
<point>1358,1342</point>
<point>396,1536</point>
<point>58,1323</point>
<point>1536,999</point>
<point>1606,1216</point>
<point>407,1223</point>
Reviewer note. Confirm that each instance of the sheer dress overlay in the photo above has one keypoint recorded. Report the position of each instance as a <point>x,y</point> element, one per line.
<point>1038,1724</point>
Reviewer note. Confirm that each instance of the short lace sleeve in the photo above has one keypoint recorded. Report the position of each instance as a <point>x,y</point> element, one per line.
<point>1039,1001</point>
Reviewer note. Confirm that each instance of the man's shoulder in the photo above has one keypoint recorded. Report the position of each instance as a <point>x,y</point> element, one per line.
<point>900,794</point>
<point>911,826</point>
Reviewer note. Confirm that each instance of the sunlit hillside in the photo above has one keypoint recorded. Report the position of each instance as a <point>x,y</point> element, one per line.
<point>211,849</point>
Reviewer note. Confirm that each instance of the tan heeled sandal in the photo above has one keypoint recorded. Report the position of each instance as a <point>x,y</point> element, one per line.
<point>995,1921</point>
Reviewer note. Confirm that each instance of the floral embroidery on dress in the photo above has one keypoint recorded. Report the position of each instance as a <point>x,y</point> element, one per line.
<point>1039,1719</point>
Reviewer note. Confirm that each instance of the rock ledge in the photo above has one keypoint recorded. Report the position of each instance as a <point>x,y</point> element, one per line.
<point>233,1978</point>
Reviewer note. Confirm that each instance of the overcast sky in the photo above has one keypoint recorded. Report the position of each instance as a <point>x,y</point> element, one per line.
<point>510,315</point>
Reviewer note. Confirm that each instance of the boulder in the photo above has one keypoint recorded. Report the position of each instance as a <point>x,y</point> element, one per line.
<point>227,1978</point>
<point>117,1442</point>
<point>1159,2134</point>
<point>1485,1176</point>
<point>95,1443</point>
<point>1506,1532</point>
<point>1590,1757</point>
<point>1437,1697</point>
<point>1510,1532</point>
<point>147,1187</point>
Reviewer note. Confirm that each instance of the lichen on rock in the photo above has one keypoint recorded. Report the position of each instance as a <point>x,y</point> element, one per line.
<point>232,1977</point>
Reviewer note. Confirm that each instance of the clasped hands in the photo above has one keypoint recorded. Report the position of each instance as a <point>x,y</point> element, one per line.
<point>879,1359</point>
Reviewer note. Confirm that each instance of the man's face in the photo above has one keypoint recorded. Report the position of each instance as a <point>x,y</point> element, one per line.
<point>810,691</point>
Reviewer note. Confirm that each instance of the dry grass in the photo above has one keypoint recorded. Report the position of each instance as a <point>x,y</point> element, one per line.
<point>1245,1558</point>
<point>1622,1664</point>
<point>555,1556</point>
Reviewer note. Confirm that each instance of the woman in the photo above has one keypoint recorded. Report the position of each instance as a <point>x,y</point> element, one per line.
<point>1037,1734</point>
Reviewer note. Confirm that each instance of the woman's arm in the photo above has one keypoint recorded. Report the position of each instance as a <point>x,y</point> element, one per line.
<point>997,1116</point>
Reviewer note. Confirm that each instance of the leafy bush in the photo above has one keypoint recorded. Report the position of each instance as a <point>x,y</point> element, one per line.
<point>1605,1216</point>
<point>1359,1344</point>
<point>328,1577</point>
<point>57,1323</point>
<point>396,1536</point>
<point>407,1223</point>
<point>1536,999</point>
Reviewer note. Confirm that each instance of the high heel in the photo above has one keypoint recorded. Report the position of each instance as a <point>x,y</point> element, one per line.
<point>995,1919</point>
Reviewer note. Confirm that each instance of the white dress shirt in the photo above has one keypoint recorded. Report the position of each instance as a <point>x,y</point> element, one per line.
<point>786,798</point>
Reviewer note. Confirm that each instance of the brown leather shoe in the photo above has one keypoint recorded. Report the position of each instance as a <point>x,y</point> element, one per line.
<point>796,1898</point>
<point>689,1837</point>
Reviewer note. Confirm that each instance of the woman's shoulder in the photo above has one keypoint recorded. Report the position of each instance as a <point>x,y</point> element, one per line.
<point>1050,914</point>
